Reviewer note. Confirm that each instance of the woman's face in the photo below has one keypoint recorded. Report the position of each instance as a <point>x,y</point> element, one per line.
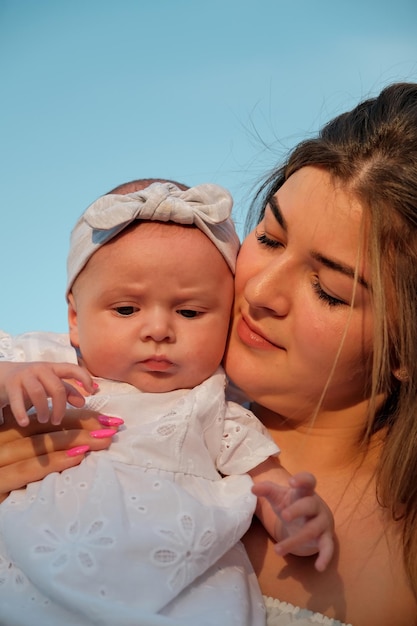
<point>292,315</point>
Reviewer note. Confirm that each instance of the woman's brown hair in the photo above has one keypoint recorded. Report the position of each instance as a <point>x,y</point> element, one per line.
<point>372,151</point>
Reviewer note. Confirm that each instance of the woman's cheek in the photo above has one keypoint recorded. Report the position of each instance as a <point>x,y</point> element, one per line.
<point>318,336</point>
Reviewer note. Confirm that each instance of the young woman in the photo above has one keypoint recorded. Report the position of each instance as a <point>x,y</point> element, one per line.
<point>324,344</point>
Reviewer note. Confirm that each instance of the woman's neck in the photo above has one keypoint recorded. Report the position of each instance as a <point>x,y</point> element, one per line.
<point>331,443</point>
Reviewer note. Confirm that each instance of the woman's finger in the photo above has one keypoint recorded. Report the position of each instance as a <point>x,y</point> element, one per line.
<point>38,447</point>
<point>74,419</point>
<point>21,473</point>
<point>28,454</point>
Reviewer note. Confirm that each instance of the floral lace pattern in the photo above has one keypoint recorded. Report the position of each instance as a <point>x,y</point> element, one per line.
<point>74,547</point>
<point>186,546</point>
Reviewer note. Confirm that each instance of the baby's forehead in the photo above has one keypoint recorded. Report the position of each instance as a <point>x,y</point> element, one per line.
<point>158,251</point>
<point>176,239</point>
<point>164,229</point>
<point>152,230</point>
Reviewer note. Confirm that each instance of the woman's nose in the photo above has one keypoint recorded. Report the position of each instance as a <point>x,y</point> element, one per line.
<point>157,326</point>
<point>270,289</point>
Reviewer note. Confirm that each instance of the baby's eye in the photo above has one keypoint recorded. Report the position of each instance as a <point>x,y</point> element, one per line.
<point>125,311</point>
<point>189,313</point>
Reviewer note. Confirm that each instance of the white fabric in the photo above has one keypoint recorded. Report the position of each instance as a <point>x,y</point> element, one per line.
<point>146,532</point>
<point>283,614</point>
<point>206,206</point>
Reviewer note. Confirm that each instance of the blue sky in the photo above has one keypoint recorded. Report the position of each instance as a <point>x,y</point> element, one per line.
<point>97,92</point>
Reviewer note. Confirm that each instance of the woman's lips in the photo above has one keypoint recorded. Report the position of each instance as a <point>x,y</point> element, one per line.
<point>253,338</point>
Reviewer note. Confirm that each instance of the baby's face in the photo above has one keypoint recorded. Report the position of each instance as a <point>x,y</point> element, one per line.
<point>152,308</point>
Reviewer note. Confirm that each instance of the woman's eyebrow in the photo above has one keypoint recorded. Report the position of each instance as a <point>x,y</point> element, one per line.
<point>332,264</point>
<point>273,203</point>
<point>338,267</point>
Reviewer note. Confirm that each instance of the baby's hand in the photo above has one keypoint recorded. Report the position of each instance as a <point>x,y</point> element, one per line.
<point>304,517</point>
<point>25,385</point>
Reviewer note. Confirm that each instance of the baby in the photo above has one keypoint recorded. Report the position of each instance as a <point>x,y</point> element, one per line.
<point>148,531</point>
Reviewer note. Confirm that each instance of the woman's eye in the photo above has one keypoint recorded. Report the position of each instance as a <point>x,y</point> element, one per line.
<point>125,311</point>
<point>327,298</point>
<point>189,313</point>
<point>264,240</point>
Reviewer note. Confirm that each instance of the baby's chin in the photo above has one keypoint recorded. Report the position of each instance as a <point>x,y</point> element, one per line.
<point>163,382</point>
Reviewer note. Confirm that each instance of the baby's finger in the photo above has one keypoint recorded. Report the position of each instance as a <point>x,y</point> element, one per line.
<point>75,372</point>
<point>292,545</point>
<point>277,495</point>
<point>62,395</point>
<point>58,391</point>
<point>309,507</point>
<point>81,379</point>
<point>18,407</point>
<point>30,390</point>
<point>303,484</point>
<point>326,551</point>
<point>48,381</point>
<point>300,540</point>
<point>75,393</point>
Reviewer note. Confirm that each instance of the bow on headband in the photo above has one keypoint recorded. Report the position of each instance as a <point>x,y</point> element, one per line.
<point>162,202</point>
<point>206,206</point>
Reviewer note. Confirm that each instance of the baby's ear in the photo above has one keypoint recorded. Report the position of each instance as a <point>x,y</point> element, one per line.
<point>73,321</point>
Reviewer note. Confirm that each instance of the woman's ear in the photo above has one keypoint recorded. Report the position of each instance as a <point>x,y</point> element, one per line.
<point>401,374</point>
<point>73,321</point>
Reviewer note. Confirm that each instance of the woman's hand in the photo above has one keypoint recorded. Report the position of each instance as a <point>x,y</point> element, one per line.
<point>29,454</point>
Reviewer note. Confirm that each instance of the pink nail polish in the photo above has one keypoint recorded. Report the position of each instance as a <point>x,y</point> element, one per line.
<point>77,450</point>
<point>103,433</point>
<point>96,385</point>
<point>110,421</point>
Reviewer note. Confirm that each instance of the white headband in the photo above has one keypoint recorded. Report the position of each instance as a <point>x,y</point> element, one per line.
<point>207,206</point>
